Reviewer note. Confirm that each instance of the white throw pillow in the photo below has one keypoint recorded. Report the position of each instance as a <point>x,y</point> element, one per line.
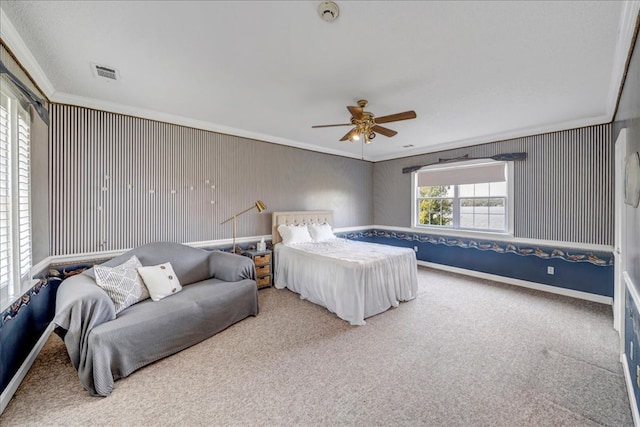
<point>293,234</point>
<point>122,283</point>
<point>321,232</point>
<point>161,280</point>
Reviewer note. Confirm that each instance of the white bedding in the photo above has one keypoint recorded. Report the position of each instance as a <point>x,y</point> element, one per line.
<point>352,279</point>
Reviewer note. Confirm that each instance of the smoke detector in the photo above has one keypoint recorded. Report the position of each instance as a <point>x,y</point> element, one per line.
<point>328,11</point>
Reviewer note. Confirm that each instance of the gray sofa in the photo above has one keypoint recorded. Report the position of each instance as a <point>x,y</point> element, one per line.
<point>219,289</point>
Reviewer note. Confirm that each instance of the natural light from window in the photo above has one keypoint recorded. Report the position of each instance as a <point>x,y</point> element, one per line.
<point>474,197</point>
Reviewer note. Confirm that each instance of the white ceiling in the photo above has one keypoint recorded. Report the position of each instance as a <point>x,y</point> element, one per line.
<point>473,71</point>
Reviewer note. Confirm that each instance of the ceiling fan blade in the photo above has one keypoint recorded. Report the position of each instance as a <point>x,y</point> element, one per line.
<point>384,131</point>
<point>396,117</point>
<point>329,126</point>
<point>356,112</point>
<point>349,134</point>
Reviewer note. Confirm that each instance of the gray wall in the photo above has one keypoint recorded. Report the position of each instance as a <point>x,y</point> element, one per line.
<point>39,188</point>
<point>628,116</point>
<point>563,191</point>
<point>119,181</point>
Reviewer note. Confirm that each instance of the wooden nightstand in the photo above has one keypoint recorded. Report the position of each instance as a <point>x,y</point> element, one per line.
<point>262,261</point>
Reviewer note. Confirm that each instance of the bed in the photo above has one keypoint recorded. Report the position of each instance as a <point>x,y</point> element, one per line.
<point>353,279</point>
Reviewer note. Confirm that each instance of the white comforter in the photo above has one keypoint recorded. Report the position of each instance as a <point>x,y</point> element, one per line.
<point>354,280</point>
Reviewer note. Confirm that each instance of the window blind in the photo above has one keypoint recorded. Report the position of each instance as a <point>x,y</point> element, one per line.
<point>23,211</point>
<point>5,194</point>
<point>471,174</point>
<point>15,183</point>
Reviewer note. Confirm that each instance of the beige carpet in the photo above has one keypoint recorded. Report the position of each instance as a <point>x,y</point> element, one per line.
<point>466,352</point>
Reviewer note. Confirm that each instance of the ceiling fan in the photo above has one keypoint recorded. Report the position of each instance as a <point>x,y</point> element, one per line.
<point>367,125</point>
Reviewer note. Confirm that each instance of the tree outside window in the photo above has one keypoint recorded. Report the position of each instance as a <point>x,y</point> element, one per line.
<point>436,205</point>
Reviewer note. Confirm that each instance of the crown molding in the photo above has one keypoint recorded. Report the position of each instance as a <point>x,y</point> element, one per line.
<point>626,30</point>
<point>502,136</point>
<point>10,36</point>
<point>66,98</point>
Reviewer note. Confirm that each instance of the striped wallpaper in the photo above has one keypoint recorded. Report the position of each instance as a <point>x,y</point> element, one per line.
<point>563,191</point>
<point>119,181</point>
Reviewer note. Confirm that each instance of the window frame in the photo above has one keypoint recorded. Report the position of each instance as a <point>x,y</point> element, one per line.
<point>455,229</point>
<point>19,170</point>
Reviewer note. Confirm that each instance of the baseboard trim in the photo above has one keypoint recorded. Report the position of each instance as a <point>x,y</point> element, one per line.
<point>15,382</point>
<point>629,383</point>
<point>523,283</point>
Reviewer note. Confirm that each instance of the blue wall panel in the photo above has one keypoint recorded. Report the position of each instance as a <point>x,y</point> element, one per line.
<point>632,341</point>
<point>584,271</point>
<point>22,326</point>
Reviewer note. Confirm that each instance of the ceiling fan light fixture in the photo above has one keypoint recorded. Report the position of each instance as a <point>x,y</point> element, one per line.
<point>366,125</point>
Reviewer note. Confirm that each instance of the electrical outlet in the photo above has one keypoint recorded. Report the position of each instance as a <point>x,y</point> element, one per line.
<point>551,270</point>
<point>415,248</point>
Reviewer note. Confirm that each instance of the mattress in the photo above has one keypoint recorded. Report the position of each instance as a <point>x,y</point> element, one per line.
<point>355,280</point>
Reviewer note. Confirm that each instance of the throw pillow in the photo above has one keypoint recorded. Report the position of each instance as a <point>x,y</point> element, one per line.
<point>161,280</point>
<point>293,234</point>
<point>321,232</point>
<point>122,283</point>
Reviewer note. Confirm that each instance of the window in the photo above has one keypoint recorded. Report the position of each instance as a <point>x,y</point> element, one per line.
<point>470,196</point>
<point>15,212</point>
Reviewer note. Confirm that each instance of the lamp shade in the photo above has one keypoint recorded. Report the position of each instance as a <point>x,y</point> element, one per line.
<point>260,206</point>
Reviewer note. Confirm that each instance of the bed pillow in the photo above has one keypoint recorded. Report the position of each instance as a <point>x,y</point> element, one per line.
<point>294,234</point>
<point>321,232</point>
<point>161,280</point>
<point>122,283</point>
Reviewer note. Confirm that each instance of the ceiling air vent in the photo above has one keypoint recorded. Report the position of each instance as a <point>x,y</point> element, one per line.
<point>105,72</point>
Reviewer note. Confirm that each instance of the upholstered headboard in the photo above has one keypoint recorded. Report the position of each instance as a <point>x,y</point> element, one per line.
<point>298,217</point>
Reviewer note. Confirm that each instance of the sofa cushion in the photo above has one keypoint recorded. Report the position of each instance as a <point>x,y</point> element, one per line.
<point>149,331</point>
<point>122,283</point>
<point>190,264</point>
<point>161,280</point>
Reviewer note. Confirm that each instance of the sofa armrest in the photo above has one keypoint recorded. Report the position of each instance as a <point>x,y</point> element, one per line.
<point>81,305</point>
<point>231,267</point>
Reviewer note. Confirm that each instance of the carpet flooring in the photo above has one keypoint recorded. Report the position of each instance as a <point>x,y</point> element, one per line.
<point>465,352</point>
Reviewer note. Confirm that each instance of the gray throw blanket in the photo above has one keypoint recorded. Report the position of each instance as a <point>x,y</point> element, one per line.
<point>219,290</point>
